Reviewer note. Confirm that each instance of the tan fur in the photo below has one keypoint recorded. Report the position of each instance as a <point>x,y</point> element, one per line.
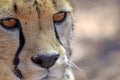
<point>36,19</point>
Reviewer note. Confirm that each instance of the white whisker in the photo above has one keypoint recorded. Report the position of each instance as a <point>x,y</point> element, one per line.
<point>70,63</point>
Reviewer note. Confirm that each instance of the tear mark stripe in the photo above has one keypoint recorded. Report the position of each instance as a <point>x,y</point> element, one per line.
<point>16,60</point>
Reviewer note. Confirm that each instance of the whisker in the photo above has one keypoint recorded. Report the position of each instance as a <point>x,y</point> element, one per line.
<point>70,63</point>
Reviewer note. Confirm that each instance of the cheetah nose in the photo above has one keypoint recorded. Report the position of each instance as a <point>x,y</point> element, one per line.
<point>45,60</point>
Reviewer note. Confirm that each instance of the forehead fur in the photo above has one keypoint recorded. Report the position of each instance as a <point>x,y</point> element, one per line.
<point>62,5</point>
<point>57,4</point>
<point>5,4</point>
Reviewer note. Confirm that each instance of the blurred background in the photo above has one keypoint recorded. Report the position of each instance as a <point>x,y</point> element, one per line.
<point>96,44</point>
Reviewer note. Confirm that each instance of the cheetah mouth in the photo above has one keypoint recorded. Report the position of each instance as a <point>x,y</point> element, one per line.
<point>46,74</point>
<point>53,74</point>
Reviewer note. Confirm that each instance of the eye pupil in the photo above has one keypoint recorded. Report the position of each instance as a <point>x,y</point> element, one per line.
<point>59,16</point>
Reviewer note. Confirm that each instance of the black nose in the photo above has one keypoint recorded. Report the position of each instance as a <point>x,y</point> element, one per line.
<point>45,60</point>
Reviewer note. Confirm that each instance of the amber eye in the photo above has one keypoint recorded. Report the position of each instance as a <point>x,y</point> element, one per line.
<point>59,17</point>
<point>9,23</point>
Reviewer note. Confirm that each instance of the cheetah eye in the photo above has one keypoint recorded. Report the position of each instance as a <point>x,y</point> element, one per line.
<point>9,23</point>
<point>59,17</point>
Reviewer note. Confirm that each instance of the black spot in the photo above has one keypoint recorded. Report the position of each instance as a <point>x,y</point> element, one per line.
<point>54,3</point>
<point>37,8</point>
<point>15,8</point>
<point>25,22</point>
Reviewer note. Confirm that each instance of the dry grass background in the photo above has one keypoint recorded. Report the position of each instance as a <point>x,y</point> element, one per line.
<point>97,39</point>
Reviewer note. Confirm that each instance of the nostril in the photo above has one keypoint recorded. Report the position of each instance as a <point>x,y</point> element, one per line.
<point>45,61</point>
<point>55,57</point>
<point>37,60</point>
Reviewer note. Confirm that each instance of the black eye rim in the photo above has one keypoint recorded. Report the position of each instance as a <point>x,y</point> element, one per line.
<point>62,20</point>
<point>6,27</point>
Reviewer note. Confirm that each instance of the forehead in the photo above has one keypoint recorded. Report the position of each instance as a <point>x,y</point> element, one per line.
<point>9,7</point>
